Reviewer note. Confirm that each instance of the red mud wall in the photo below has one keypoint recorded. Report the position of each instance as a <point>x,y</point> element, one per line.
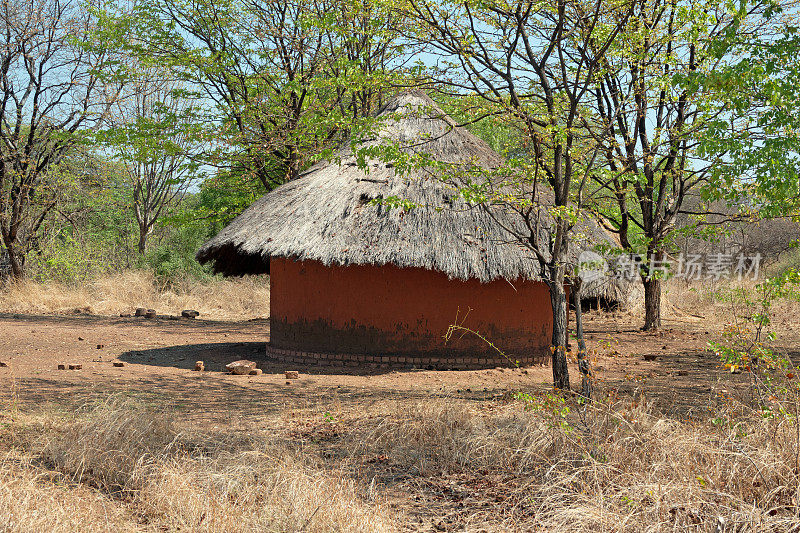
<point>386,310</point>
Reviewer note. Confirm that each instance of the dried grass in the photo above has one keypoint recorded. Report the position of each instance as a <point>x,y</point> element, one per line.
<point>226,299</point>
<point>619,469</point>
<point>172,481</point>
<point>31,501</point>
<point>440,437</point>
<point>616,468</point>
<point>719,302</point>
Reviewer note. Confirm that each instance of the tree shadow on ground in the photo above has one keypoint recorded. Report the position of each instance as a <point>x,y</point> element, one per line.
<point>206,396</point>
<point>686,383</point>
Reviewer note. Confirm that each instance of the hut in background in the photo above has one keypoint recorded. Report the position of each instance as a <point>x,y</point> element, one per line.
<point>353,282</point>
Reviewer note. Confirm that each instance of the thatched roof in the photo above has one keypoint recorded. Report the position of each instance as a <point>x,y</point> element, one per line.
<point>327,215</point>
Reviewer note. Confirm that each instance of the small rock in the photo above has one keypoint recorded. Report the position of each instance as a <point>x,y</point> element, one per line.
<point>140,311</point>
<point>649,357</point>
<point>3,364</point>
<point>190,313</point>
<point>75,367</point>
<point>101,346</point>
<point>119,364</point>
<point>256,372</point>
<point>199,366</point>
<point>62,367</point>
<point>151,313</point>
<point>288,382</point>
<point>125,315</point>
<point>292,374</point>
<point>80,338</point>
<point>241,367</point>
<point>173,317</point>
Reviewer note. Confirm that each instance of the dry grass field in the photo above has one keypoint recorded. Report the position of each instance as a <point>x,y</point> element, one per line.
<point>123,292</point>
<point>673,442</point>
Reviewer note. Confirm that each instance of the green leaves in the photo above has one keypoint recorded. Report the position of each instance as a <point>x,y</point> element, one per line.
<point>278,84</point>
<point>758,137</point>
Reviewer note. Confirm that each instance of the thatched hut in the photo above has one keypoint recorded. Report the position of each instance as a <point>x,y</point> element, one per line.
<point>356,282</point>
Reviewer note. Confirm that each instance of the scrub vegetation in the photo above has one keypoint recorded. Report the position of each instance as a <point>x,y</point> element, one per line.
<point>137,139</point>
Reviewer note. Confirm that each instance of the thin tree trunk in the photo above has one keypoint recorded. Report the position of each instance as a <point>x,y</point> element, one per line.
<point>142,244</point>
<point>583,359</point>
<point>17,264</point>
<point>558,301</point>
<point>652,303</point>
<point>293,164</point>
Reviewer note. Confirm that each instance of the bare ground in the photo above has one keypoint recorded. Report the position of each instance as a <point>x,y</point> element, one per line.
<point>159,356</point>
<point>671,369</point>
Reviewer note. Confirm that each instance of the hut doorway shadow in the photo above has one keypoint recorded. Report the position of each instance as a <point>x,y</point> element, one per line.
<point>600,303</point>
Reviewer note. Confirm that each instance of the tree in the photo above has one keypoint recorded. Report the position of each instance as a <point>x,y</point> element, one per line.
<point>656,113</point>
<point>51,92</point>
<point>760,135</point>
<point>280,83</point>
<point>532,64</point>
<point>150,134</point>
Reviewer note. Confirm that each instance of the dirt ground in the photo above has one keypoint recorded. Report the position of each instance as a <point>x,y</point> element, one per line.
<point>673,367</point>
<point>673,370</point>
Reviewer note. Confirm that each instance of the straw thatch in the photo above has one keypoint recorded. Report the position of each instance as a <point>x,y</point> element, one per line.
<point>327,214</point>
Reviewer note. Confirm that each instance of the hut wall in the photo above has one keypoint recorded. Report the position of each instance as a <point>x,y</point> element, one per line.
<point>385,314</point>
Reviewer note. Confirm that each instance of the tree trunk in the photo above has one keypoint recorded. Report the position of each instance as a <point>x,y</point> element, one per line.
<point>583,359</point>
<point>142,244</point>
<point>17,263</point>
<point>652,303</point>
<point>292,164</point>
<point>558,301</point>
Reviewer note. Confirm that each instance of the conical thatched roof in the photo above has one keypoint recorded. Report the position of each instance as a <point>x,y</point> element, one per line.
<point>326,214</point>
